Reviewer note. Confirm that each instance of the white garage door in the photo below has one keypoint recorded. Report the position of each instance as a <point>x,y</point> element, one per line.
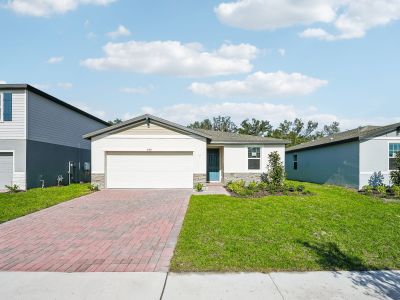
<point>6,169</point>
<point>149,170</point>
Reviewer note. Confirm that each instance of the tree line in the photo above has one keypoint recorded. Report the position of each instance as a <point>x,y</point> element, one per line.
<point>296,131</point>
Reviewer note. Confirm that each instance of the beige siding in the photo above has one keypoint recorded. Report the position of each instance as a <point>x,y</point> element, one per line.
<point>145,129</point>
<point>50,122</point>
<point>15,129</point>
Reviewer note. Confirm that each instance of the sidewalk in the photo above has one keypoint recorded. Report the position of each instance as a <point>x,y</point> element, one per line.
<point>152,286</point>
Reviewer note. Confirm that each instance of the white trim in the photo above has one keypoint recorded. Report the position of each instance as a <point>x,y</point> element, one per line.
<point>388,161</point>
<point>259,158</point>
<point>372,172</point>
<point>383,138</point>
<point>13,153</point>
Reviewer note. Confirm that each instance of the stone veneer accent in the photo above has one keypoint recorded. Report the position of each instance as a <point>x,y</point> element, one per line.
<point>199,178</point>
<point>99,180</point>
<point>248,177</point>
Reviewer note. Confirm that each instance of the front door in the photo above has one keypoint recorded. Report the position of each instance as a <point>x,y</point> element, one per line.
<point>213,165</point>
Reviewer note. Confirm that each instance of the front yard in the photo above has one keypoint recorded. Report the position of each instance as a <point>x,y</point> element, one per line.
<point>17,205</point>
<point>334,229</point>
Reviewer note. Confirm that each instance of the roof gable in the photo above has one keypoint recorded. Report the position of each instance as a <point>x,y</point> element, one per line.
<point>145,119</point>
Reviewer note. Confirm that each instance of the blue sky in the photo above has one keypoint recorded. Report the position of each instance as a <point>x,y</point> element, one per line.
<point>186,60</point>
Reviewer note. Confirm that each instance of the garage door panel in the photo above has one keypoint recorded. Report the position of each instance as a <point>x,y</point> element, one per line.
<point>6,169</point>
<point>150,170</point>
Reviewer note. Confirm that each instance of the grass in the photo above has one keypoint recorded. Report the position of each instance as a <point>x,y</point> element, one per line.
<point>20,204</point>
<point>334,229</point>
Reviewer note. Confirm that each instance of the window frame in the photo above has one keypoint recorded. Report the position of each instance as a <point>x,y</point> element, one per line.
<point>394,151</point>
<point>295,161</point>
<point>2,106</point>
<point>254,158</point>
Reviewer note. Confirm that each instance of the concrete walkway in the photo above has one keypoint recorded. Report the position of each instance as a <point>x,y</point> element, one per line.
<point>152,286</point>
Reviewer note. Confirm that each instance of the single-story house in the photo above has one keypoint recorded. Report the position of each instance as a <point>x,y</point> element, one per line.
<point>348,158</point>
<point>41,138</point>
<point>150,152</point>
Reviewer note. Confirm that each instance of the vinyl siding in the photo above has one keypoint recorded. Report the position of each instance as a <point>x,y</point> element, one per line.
<point>335,164</point>
<point>145,129</point>
<point>374,156</point>
<point>50,122</point>
<point>15,129</point>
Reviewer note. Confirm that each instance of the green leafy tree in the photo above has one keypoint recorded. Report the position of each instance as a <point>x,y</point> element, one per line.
<point>395,174</point>
<point>115,121</point>
<point>276,171</point>
<point>205,124</point>
<point>255,127</point>
<point>224,124</point>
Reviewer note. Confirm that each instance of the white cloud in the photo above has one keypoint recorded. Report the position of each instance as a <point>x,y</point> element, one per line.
<point>42,86</point>
<point>55,59</point>
<point>2,82</point>
<point>282,52</point>
<point>120,31</point>
<point>349,18</point>
<point>91,35</point>
<point>261,85</point>
<point>137,90</point>
<point>83,106</point>
<point>273,14</point>
<point>187,113</point>
<point>44,8</point>
<point>65,85</point>
<point>174,58</point>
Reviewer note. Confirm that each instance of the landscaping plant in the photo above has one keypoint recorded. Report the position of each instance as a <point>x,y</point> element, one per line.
<point>12,189</point>
<point>396,191</point>
<point>376,179</point>
<point>276,171</point>
<point>395,174</point>
<point>381,190</point>
<point>199,187</point>
<point>94,187</point>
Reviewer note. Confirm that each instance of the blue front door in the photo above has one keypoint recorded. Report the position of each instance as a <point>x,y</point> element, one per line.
<point>213,165</point>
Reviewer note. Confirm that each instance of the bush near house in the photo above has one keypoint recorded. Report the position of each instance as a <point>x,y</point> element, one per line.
<point>395,175</point>
<point>272,182</point>
<point>377,188</point>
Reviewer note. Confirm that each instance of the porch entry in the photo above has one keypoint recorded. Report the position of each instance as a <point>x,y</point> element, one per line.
<point>213,170</point>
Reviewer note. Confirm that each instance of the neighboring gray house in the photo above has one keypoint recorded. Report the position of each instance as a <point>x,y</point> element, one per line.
<point>348,158</point>
<point>41,138</point>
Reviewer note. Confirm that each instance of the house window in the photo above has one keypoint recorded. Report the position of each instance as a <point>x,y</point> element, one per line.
<point>295,162</point>
<point>254,160</point>
<point>393,149</point>
<point>6,107</point>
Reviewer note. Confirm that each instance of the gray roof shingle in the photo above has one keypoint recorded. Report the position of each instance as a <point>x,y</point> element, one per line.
<point>346,136</point>
<point>220,137</point>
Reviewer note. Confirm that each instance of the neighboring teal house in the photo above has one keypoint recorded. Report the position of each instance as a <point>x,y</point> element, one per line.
<point>348,158</point>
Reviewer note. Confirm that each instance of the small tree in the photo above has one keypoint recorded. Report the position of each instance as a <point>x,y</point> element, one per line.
<point>276,172</point>
<point>395,175</point>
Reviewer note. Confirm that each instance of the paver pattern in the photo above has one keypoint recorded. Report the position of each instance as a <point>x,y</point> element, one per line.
<point>108,231</point>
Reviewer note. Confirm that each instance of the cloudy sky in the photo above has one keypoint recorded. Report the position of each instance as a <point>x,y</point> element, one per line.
<point>186,60</point>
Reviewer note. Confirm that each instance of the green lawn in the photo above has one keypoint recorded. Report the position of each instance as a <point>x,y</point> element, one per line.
<point>16,205</point>
<point>335,229</point>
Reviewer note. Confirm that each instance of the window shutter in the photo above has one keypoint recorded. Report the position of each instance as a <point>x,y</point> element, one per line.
<point>7,107</point>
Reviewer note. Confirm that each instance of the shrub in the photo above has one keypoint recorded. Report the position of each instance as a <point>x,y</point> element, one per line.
<point>367,189</point>
<point>290,187</point>
<point>381,190</point>
<point>395,175</point>
<point>376,179</point>
<point>253,185</point>
<point>276,172</point>
<point>12,189</point>
<point>199,187</point>
<point>94,187</point>
<point>396,190</point>
<point>239,188</point>
<point>300,188</point>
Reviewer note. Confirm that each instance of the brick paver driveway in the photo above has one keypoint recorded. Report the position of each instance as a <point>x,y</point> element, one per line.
<point>111,230</point>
